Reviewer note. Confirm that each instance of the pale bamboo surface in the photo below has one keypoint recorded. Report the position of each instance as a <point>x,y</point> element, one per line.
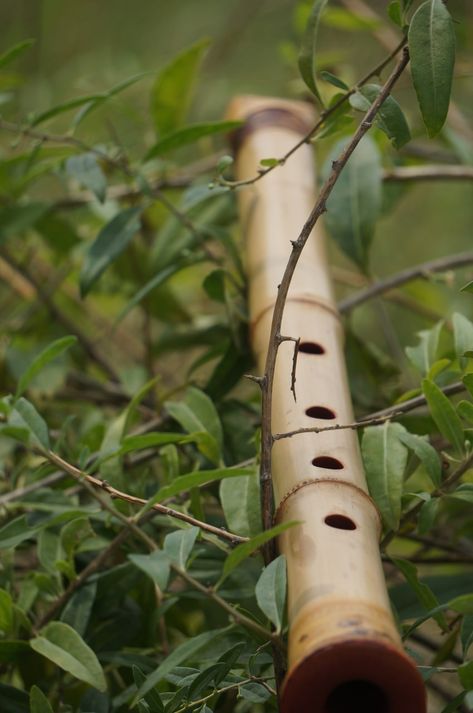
<point>345,654</point>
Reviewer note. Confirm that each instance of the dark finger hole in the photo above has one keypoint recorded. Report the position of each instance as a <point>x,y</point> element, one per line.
<point>327,462</point>
<point>340,522</point>
<point>320,412</point>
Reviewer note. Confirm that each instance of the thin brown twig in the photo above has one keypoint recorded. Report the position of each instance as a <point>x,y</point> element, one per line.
<point>429,173</point>
<point>411,404</point>
<point>297,247</point>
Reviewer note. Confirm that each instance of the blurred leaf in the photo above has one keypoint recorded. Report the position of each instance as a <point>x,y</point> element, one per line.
<point>468,287</point>
<point>15,532</point>
<point>52,351</point>
<point>189,135</point>
<point>465,410</point>
<point>13,700</point>
<point>196,479</point>
<point>243,551</point>
<point>24,415</point>
<point>395,12</point>
<point>343,19</point>
<point>172,90</point>
<point>390,118</point>
<point>444,415</point>
<point>196,413</point>
<point>38,701</point>
<point>465,674</point>
<point>156,565</point>
<point>109,244</point>
<point>463,337</point>
<point>78,609</point>
<point>424,355</point>
<point>254,692</point>
<point>427,515</point>
<point>432,51</point>
<point>6,612</point>
<point>355,202</point>
<point>14,52</point>
<point>17,219</point>
<point>63,646</point>
<point>152,698</point>
<point>426,454</point>
<point>86,170</point>
<point>240,500</point>
<point>178,545</point>
<point>385,458</point>
<point>466,634</point>
<point>271,591</point>
<point>423,592</point>
<point>308,49</point>
<point>332,79</point>
<point>455,704</point>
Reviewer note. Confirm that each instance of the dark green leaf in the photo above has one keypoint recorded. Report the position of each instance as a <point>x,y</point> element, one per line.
<point>465,410</point>
<point>38,701</point>
<point>463,336</point>
<point>271,591</point>
<point>465,674</point>
<point>109,244</point>
<point>455,704</point>
<point>432,51</point>
<point>14,52</point>
<point>86,171</point>
<point>307,55</point>
<point>189,135</point>
<point>13,700</point>
<point>52,351</point>
<point>15,532</point>
<point>355,202</point>
<point>468,287</point>
<point>156,565</point>
<point>426,454</point>
<point>385,458</point>
<point>152,698</point>
<point>24,415</point>
<point>78,609</point>
<point>178,545</point>
<point>444,415</point>
<point>466,634</point>
<point>332,79</point>
<point>195,480</point>
<point>172,90</point>
<point>17,219</point>
<point>390,118</point>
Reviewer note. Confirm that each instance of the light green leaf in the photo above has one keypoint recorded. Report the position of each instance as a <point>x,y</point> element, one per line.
<point>462,604</point>
<point>86,170</point>
<point>468,381</point>
<point>189,648</point>
<point>395,12</point>
<point>463,337</point>
<point>156,565</point>
<point>424,355</point>
<point>24,415</point>
<point>109,244</point>
<point>196,413</point>
<point>431,41</point>
<point>59,643</point>
<point>468,287</point>
<point>355,202</point>
<point>63,107</point>
<point>178,545</point>
<point>14,52</point>
<point>172,90</point>
<point>444,415</point>
<point>52,351</point>
<point>38,701</point>
<point>271,591</point>
<point>426,454</point>
<point>240,500</point>
<point>189,135</point>
<point>390,118</point>
<point>150,440</point>
<point>195,480</point>
<point>385,458</point>
<point>243,551</point>
<point>6,612</point>
<point>307,55</point>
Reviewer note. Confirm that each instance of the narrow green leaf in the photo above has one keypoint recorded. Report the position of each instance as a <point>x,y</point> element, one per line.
<point>172,90</point>
<point>152,698</point>
<point>468,287</point>
<point>355,202</point>
<point>38,701</point>
<point>390,118</point>
<point>431,41</point>
<point>423,592</point>
<point>150,440</point>
<point>189,135</point>
<point>395,12</point>
<point>455,704</point>
<point>426,454</point>
<point>463,337</point>
<point>468,381</point>
<point>332,79</point>
<point>88,107</point>
<point>63,107</point>
<point>427,515</point>
<point>13,700</point>
<point>24,415</point>
<point>307,55</point>
<point>109,244</point>
<point>240,500</point>
<point>385,458</point>
<point>14,52</point>
<point>86,170</point>
<point>424,354</point>
<point>444,415</point>
<point>178,545</point>
<point>78,609</point>
<point>271,591</point>
<point>195,480</point>
<point>244,550</point>
<point>52,351</point>
<point>462,604</point>
<point>156,565</point>
<point>63,646</point>
<point>196,413</point>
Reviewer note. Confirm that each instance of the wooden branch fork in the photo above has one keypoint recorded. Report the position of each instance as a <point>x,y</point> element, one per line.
<point>345,653</point>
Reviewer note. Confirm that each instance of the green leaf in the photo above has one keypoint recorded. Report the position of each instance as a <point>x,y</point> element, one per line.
<point>59,643</point>
<point>189,135</point>
<point>431,41</point>
<point>332,79</point>
<point>6,612</point>
<point>465,674</point>
<point>385,458</point>
<point>427,515</point>
<point>16,532</point>
<point>18,218</point>
<point>189,648</point>
<point>444,415</point>
<point>153,699</point>
<point>13,700</point>
<point>423,356</point>
<point>52,351</point>
<point>240,500</point>
<point>244,550</point>
<point>426,454</point>
<point>395,12</point>
<point>196,413</point>
<point>390,118</point>
<point>462,604</point>
<point>423,592</point>
<point>24,415</point>
<point>468,381</point>
<point>38,701</point>
<point>178,545</point>
<point>271,591</point>
<point>463,337</point>
<point>466,634</point>
<point>109,244</point>
<point>172,90</point>
<point>195,480</point>
<point>468,287</point>
<point>307,55</point>
<point>78,609</point>
<point>156,566</point>
<point>130,444</point>
<point>355,202</point>
<point>86,170</point>
<point>14,52</point>
<point>465,410</point>
<point>455,704</point>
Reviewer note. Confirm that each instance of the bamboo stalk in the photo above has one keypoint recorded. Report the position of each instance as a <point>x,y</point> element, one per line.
<point>345,654</point>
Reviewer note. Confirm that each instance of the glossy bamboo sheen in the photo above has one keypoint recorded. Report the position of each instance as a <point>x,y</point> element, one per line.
<point>345,654</point>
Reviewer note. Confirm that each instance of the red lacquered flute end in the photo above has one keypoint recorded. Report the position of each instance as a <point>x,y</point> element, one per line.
<point>356,676</point>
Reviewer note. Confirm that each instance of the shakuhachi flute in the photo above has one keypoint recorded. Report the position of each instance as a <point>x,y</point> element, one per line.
<point>345,653</point>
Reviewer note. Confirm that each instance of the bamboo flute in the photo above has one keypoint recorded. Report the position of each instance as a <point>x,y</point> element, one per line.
<point>345,653</point>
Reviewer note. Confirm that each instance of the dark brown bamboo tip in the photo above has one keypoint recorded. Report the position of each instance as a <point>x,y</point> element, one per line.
<point>356,676</point>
